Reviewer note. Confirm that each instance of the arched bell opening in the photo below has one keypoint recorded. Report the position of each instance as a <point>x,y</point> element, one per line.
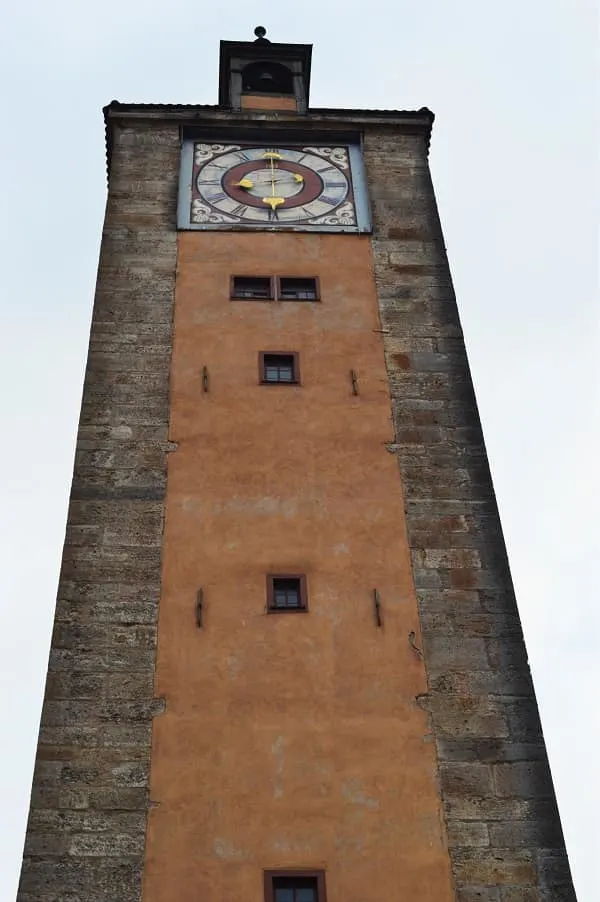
<point>267,78</point>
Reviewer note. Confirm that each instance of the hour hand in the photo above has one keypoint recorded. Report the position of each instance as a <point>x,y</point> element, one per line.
<point>244,183</point>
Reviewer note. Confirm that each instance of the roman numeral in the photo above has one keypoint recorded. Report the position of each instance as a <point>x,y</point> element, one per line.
<point>220,195</point>
<point>332,201</point>
<point>335,184</point>
<point>243,156</point>
<point>240,210</point>
<point>211,181</point>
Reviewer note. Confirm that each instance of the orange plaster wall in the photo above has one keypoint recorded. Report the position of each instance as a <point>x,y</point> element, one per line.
<point>268,102</point>
<point>289,740</point>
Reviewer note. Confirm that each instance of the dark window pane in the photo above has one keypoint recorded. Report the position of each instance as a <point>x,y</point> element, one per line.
<point>278,368</point>
<point>298,289</point>
<point>295,889</point>
<point>306,894</point>
<point>252,287</point>
<point>286,593</point>
<point>280,599</point>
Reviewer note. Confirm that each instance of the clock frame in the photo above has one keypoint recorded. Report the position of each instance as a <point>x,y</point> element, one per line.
<point>297,186</point>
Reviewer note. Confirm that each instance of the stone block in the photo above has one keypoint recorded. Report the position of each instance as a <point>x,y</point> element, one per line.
<point>489,750</point>
<point>539,833</point>
<point>553,867</point>
<point>466,780</point>
<point>524,779</point>
<point>519,894</point>
<point>497,809</point>
<point>100,735</point>
<point>83,591</point>
<point>121,798</point>
<point>494,868</point>
<point>75,685</point>
<point>79,712</point>
<point>95,822</point>
<point>99,845</point>
<point>112,877</point>
<point>563,893</point>
<point>446,558</point>
<point>468,834</point>
<point>477,894</point>
<point>455,653</point>
<point>129,612</point>
<point>45,844</point>
<point>89,636</point>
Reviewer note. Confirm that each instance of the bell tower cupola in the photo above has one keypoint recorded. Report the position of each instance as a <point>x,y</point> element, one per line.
<point>262,75</point>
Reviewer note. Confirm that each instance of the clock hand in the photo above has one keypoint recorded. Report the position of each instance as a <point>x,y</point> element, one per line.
<point>295,176</point>
<point>244,183</point>
<point>273,201</point>
<point>248,183</point>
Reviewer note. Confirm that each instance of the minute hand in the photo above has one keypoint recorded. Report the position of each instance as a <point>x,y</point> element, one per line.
<point>273,201</point>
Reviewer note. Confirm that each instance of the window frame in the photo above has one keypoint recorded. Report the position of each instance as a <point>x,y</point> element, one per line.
<point>295,367</point>
<point>279,290</point>
<point>273,609</point>
<point>318,875</point>
<point>272,288</point>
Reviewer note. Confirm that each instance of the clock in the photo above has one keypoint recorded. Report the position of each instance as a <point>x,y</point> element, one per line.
<point>283,187</point>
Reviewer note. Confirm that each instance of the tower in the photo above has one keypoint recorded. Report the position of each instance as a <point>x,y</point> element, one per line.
<point>287,661</point>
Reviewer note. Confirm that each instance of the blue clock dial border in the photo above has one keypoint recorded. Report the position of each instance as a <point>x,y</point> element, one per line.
<point>356,178</point>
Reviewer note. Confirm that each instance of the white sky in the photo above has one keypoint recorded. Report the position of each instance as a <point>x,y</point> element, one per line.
<point>512,85</point>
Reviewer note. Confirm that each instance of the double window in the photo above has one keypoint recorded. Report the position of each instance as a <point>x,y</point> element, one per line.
<point>295,886</point>
<point>274,288</point>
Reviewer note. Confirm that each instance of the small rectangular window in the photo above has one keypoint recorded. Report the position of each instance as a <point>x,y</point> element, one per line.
<point>295,886</point>
<point>279,368</point>
<point>248,288</point>
<point>292,288</point>
<point>286,592</point>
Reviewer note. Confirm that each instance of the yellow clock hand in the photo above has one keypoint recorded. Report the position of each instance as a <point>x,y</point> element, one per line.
<point>273,201</point>
<point>244,183</point>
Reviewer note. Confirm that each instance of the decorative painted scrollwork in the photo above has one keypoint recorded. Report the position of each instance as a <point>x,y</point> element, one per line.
<point>344,215</point>
<point>204,152</point>
<point>203,213</point>
<point>337,155</point>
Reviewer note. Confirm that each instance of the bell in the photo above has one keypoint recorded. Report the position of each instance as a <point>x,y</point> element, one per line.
<point>266,81</point>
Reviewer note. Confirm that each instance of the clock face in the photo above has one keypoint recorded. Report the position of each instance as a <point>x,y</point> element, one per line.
<point>247,185</point>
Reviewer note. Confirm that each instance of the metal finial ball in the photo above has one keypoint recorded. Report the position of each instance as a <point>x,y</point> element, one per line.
<point>260,31</point>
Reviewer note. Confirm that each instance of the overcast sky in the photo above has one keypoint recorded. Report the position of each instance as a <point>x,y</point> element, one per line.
<point>513,146</point>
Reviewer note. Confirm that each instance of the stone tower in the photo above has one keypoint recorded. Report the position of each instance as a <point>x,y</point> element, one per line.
<point>287,663</point>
